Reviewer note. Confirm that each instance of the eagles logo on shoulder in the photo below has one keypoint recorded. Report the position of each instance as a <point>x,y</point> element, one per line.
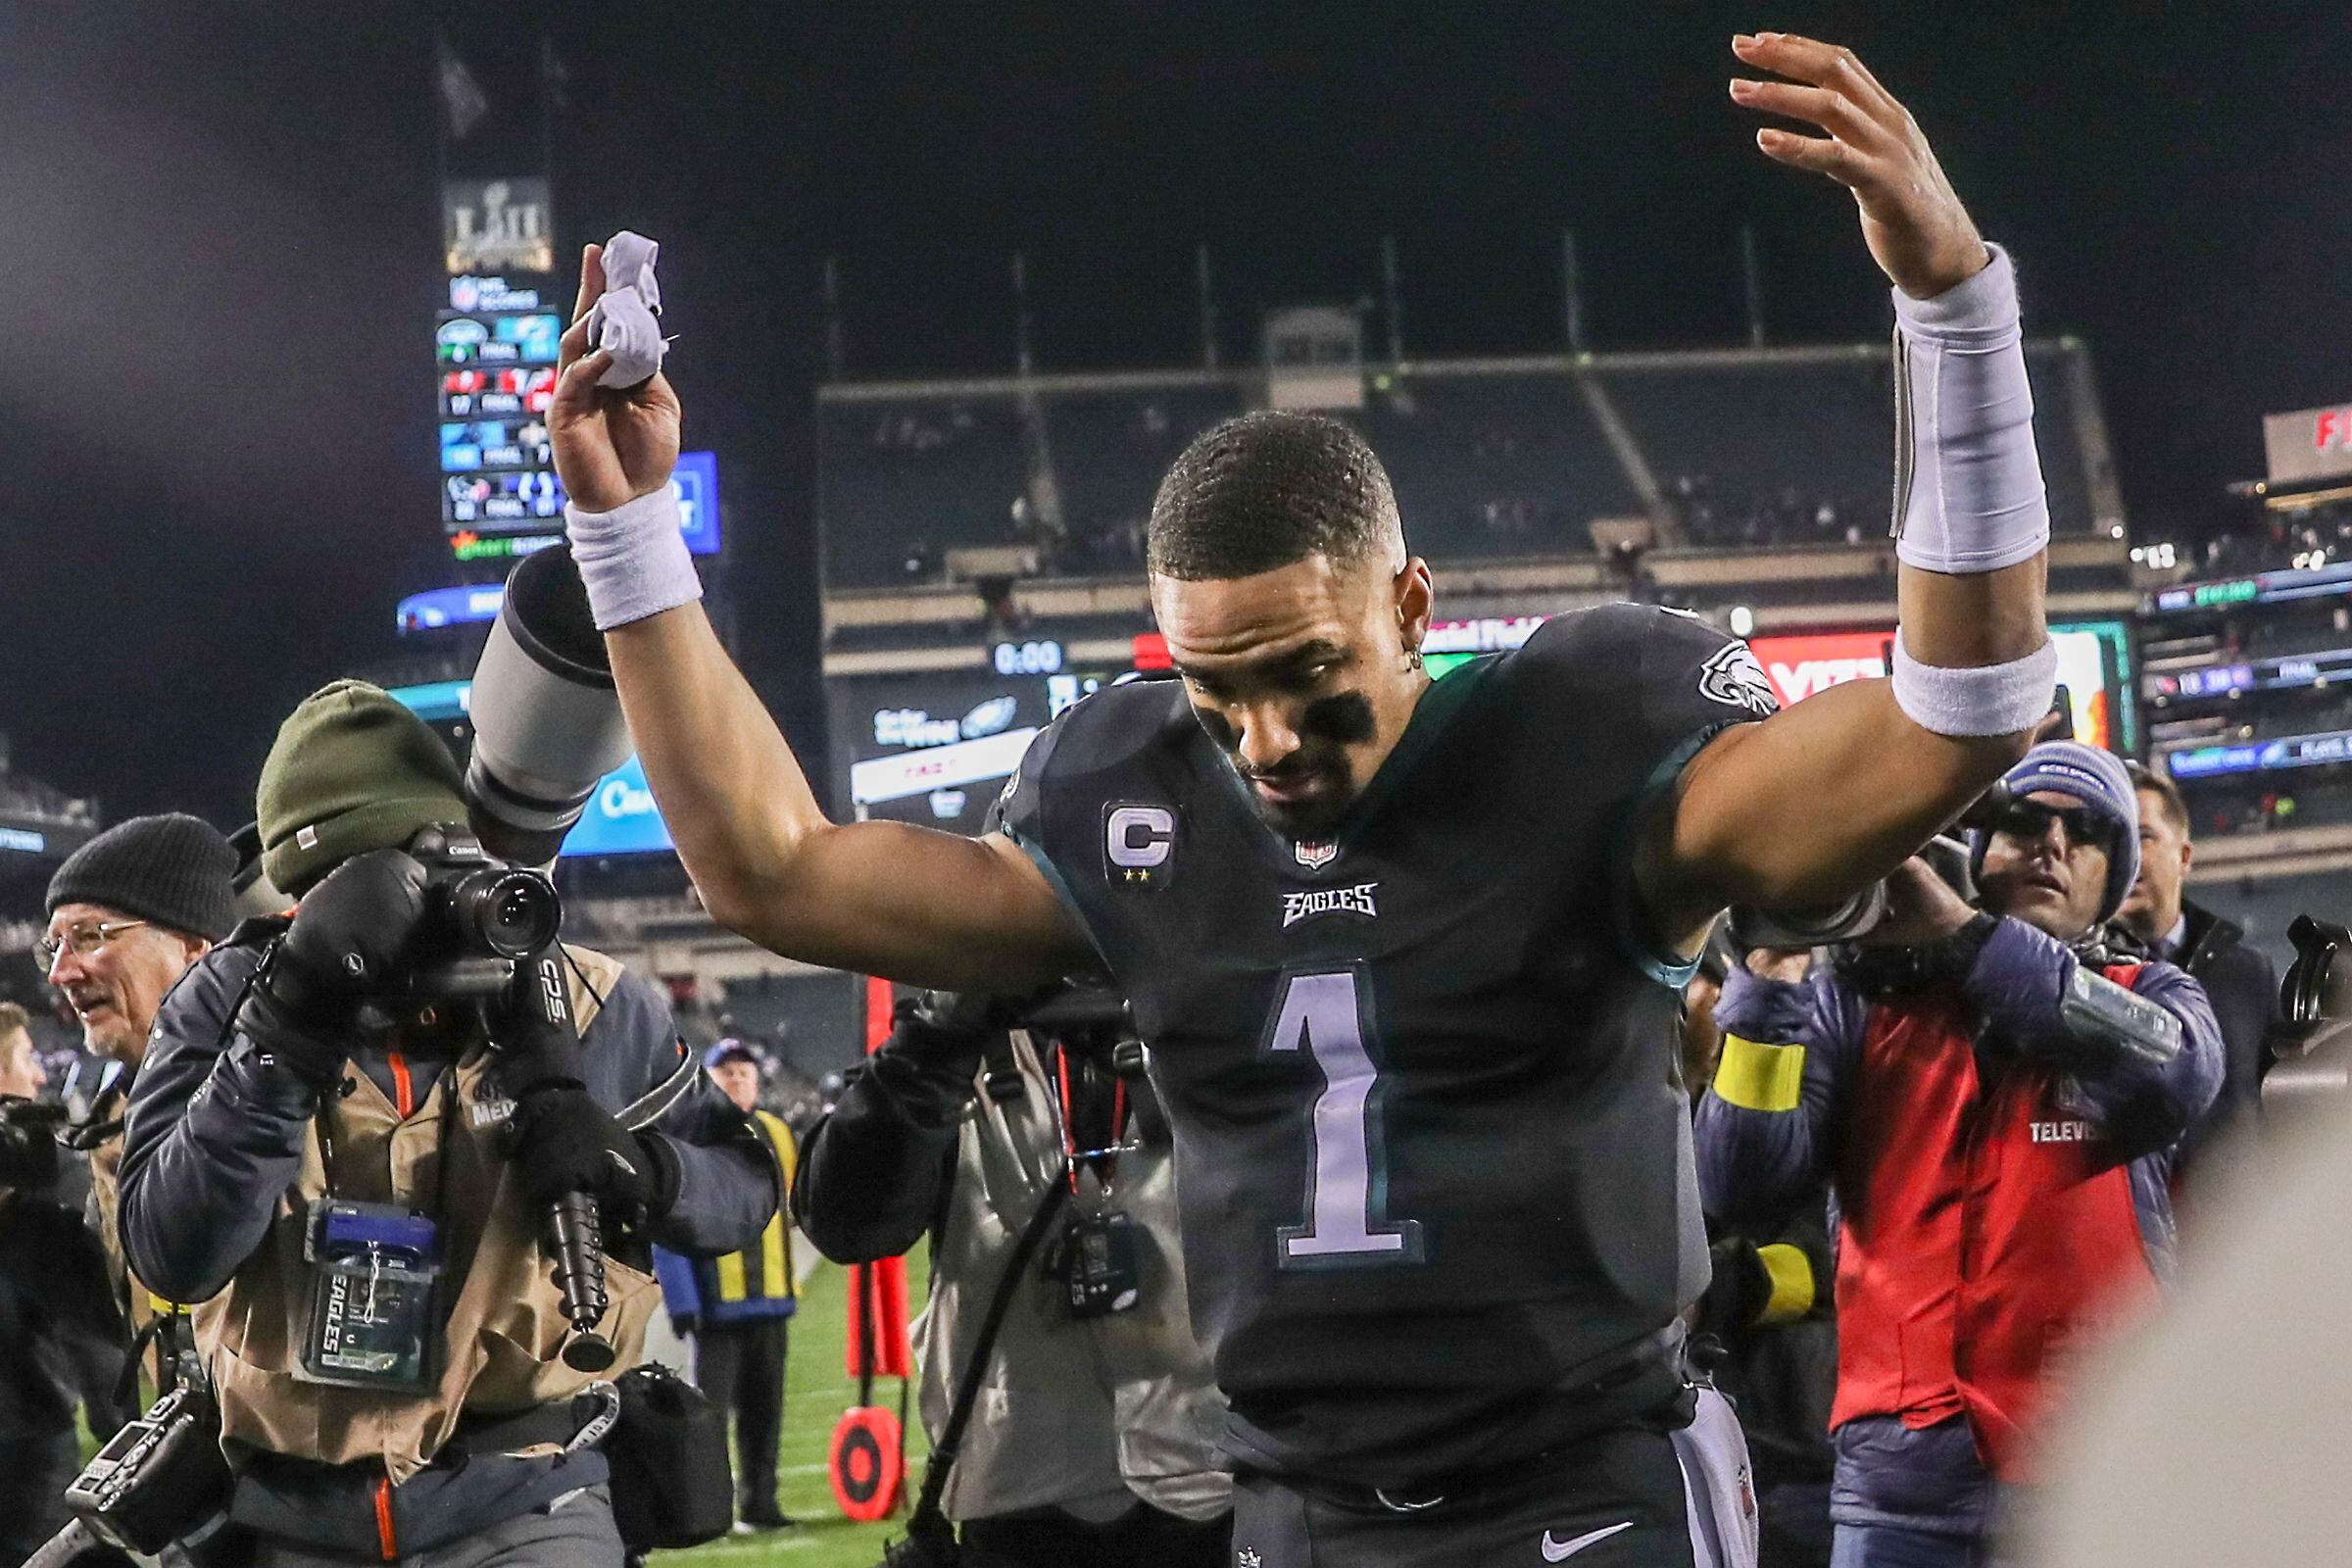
<point>1732,675</point>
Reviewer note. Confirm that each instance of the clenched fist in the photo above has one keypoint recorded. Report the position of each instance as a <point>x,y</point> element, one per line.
<point>611,445</point>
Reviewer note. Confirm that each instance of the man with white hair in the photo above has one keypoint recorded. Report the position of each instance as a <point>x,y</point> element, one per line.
<point>129,912</point>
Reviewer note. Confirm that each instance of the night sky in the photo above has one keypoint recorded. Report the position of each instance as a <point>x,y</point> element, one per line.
<point>221,260</point>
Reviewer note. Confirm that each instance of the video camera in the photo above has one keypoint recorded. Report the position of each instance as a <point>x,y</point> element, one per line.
<point>2310,1043</point>
<point>1860,914</point>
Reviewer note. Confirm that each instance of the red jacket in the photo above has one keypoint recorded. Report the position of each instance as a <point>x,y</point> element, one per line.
<point>2002,1193</point>
<point>1985,1227</point>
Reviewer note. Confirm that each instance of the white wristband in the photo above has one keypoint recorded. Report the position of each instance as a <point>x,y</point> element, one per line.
<point>633,558</point>
<point>1990,699</point>
<point>1968,494</point>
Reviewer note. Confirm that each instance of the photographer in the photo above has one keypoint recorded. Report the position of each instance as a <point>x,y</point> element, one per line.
<point>130,912</point>
<point>1994,1097</point>
<point>1095,1438</point>
<point>354,1185</point>
<point>60,1337</point>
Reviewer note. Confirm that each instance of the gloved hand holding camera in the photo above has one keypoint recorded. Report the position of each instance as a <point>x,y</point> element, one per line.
<point>344,946</point>
<point>560,1140</point>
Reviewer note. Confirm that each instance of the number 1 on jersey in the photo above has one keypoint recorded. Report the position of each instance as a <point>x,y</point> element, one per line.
<point>1327,1015</point>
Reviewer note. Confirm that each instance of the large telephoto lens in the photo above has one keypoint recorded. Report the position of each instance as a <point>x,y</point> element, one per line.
<point>504,914</point>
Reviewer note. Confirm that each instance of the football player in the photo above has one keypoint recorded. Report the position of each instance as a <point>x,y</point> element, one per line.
<point>1408,952</point>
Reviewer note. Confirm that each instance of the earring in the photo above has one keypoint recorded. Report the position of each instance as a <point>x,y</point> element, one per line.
<point>1412,658</point>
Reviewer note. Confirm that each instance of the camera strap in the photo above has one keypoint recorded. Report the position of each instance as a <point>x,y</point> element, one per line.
<point>928,1517</point>
<point>1106,1157</point>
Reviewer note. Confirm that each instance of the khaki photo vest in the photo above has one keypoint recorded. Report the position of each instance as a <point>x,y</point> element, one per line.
<point>142,1304</point>
<point>505,1325</point>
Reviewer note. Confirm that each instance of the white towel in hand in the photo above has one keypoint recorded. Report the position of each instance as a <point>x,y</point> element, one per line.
<point>625,319</point>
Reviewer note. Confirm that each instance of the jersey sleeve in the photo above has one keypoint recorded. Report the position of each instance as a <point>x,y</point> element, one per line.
<point>1695,682</point>
<point>1649,687</point>
<point>1653,685</point>
<point>1035,812</point>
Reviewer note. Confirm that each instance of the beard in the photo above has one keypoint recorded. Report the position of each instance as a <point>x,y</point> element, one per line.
<point>114,1039</point>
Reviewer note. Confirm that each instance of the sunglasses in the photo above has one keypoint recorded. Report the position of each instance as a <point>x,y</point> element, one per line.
<point>2031,820</point>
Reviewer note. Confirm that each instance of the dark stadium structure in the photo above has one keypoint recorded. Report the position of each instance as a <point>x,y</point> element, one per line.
<point>933,481</point>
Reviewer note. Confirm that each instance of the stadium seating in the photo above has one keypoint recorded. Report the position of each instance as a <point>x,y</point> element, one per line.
<point>1491,459</point>
<point>936,473</point>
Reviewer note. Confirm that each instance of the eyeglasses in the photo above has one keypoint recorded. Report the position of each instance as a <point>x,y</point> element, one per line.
<point>81,939</point>
<point>2031,820</point>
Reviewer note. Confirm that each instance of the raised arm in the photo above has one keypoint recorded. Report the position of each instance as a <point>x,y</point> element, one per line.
<point>1833,793</point>
<point>906,903</point>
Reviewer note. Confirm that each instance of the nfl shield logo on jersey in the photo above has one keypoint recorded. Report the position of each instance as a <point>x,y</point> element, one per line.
<point>1315,857</point>
<point>1732,675</point>
<point>1139,844</point>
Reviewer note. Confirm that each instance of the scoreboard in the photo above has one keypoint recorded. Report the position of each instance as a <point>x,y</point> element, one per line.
<point>496,347</point>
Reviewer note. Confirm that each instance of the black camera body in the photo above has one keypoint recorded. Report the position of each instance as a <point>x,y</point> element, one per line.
<point>156,1479</point>
<point>481,915</point>
<point>29,1146</point>
<point>2310,1044</point>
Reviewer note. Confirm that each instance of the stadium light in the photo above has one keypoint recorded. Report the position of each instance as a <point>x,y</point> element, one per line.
<point>1744,620</point>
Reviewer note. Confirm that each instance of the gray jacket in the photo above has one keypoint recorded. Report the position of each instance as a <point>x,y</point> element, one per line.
<point>1070,1414</point>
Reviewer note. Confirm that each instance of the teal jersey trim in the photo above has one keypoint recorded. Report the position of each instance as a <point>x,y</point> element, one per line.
<point>1668,968</point>
<point>1061,890</point>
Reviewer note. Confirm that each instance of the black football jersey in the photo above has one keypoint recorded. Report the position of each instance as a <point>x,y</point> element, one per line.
<point>1433,1158</point>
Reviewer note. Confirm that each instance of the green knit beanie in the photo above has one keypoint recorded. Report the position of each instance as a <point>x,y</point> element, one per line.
<point>352,771</point>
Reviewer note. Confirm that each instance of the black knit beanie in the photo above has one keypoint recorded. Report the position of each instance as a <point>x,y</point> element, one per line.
<point>171,871</point>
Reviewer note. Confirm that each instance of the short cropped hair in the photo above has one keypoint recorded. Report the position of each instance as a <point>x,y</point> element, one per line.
<point>2144,777</point>
<point>1263,490</point>
<point>14,1019</point>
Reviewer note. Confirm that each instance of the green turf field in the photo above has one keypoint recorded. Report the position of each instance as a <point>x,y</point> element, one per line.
<point>816,1392</point>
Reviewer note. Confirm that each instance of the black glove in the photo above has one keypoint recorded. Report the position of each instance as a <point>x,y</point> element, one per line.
<point>28,1130</point>
<point>561,1140</point>
<point>1738,1288</point>
<point>343,946</point>
<point>961,1012</point>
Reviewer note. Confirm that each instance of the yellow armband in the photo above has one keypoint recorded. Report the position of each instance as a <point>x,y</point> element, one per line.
<point>1759,1077</point>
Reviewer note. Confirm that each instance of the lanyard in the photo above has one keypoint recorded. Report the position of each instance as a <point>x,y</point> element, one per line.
<point>1071,1153</point>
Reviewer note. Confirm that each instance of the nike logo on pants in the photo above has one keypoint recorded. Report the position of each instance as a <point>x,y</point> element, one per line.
<point>1562,1551</point>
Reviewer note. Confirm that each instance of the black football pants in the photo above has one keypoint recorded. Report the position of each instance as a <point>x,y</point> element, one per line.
<point>1633,1496</point>
<point>741,1366</point>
